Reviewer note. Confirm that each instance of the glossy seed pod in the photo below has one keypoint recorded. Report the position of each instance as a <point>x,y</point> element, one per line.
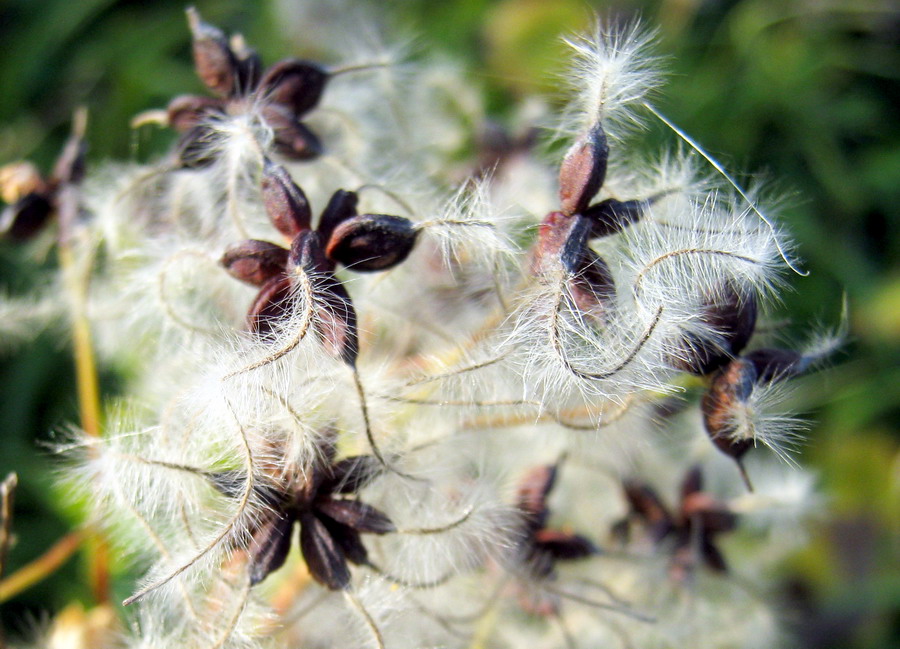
<point>285,203</point>
<point>291,138</point>
<point>372,242</point>
<point>721,406</point>
<point>255,262</point>
<point>341,206</point>
<point>730,315</point>
<point>295,84</point>
<point>612,216</point>
<point>583,170</point>
<point>213,59</point>
<point>562,242</point>
<point>335,317</point>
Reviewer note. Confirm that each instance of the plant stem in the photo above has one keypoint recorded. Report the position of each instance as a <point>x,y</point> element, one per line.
<point>85,367</point>
<point>7,493</point>
<point>42,567</point>
<point>88,385</point>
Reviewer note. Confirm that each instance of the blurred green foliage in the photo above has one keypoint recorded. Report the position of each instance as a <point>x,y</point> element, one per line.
<point>804,93</point>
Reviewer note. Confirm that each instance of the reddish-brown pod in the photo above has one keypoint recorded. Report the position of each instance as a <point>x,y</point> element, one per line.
<point>335,317</point>
<point>291,138</point>
<point>255,262</point>
<point>285,202</point>
<point>272,305</point>
<point>372,242</point>
<point>562,245</point>
<point>729,316</point>
<point>213,58</point>
<point>583,170</point>
<point>722,406</point>
<point>295,84</point>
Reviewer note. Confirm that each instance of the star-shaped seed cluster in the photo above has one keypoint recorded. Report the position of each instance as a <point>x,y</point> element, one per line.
<point>690,533</point>
<point>321,499</point>
<point>282,95</point>
<point>361,242</point>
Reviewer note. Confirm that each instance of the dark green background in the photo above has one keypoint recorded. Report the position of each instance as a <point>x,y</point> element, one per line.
<point>806,95</point>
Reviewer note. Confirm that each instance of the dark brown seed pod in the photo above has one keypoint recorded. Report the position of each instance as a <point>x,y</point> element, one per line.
<point>540,547</point>
<point>357,515</point>
<point>730,314</point>
<point>255,262</point>
<point>270,547</point>
<point>729,391</point>
<point>691,533</point>
<point>213,59</point>
<point>335,317</point>
<point>372,242</point>
<point>592,287</point>
<point>307,254</point>
<point>271,306</point>
<point>249,65</point>
<point>196,148</point>
<point>583,170</point>
<point>187,111</point>
<point>777,364</point>
<point>698,507</point>
<point>336,321</point>
<point>291,138</point>
<point>26,217</point>
<point>348,540</point>
<point>341,206</point>
<point>612,216</point>
<point>562,241</point>
<point>324,557</point>
<point>285,202</point>
<point>351,474</point>
<point>296,84</point>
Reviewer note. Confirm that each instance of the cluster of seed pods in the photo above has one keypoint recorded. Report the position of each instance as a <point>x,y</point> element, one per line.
<point>323,500</point>
<point>729,313</point>
<point>690,532</point>
<point>563,235</point>
<point>360,242</point>
<point>541,547</point>
<point>282,95</point>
